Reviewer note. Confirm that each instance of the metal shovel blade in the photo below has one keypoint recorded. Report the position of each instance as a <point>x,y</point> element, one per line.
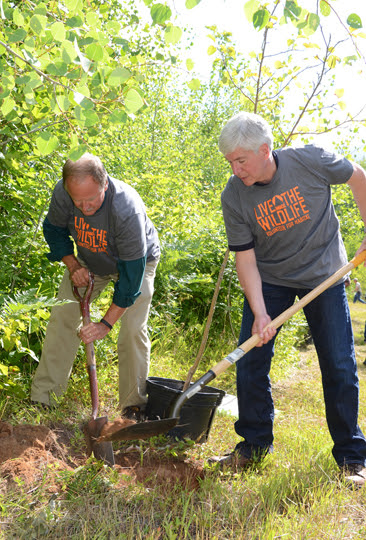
<point>102,451</point>
<point>142,430</point>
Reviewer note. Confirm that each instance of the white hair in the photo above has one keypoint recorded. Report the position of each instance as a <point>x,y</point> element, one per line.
<point>247,131</point>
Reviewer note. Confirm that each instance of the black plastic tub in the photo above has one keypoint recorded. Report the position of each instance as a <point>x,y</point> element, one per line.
<point>196,415</point>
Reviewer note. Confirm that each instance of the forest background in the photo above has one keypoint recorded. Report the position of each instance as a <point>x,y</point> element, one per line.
<point>118,79</point>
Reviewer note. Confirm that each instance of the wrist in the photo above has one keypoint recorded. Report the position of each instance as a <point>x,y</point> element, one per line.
<point>107,324</point>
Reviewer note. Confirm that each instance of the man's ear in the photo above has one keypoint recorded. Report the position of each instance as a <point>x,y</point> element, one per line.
<point>264,150</point>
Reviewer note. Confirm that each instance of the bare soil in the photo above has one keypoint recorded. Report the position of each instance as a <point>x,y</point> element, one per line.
<point>29,453</point>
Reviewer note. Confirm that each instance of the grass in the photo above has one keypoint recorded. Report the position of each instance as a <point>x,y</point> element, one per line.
<point>296,493</point>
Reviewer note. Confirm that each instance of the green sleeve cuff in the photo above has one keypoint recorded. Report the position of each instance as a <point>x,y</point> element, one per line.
<point>130,276</point>
<point>59,241</point>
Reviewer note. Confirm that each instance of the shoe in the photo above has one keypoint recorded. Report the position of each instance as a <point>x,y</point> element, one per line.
<point>133,412</point>
<point>234,461</point>
<point>354,475</point>
<point>44,406</point>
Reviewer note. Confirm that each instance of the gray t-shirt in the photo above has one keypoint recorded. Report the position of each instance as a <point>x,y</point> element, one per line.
<point>290,222</point>
<point>119,230</point>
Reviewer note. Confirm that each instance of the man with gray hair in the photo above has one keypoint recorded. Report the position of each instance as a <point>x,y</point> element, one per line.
<point>282,226</point>
<point>117,242</point>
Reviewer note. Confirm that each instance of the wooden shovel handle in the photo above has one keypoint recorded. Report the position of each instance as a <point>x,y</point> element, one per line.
<point>288,313</point>
<point>89,347</point>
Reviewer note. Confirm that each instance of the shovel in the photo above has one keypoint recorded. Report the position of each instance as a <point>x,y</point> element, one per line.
<point>145,430</point>
<point>102,451</point>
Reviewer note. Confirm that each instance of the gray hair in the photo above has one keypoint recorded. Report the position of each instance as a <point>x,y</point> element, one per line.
<point>87,165</point>
<point>247,131</point>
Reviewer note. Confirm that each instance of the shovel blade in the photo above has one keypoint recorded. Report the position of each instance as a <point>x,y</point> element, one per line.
<point>102,451</point>
<point>142,430</point>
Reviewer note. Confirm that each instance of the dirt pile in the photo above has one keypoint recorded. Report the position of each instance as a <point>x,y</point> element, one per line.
<point>28,452</point>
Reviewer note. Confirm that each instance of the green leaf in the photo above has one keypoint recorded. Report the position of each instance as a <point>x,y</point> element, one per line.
<point>250,8</point>
<point>58,68</point>
<point>94,52</point>
<point>119,76</point>
<point>17,36</point>
<point>211,50</point>
<point>354,21</point>
<point>63,103</point>
<point>292,10</point>
<point>18,17</point>
<point>4,370</point>
<point>58,31</point>
<point>133,101</point>
<point>260,19</point>
<point>172,34</point>
<point>192,3</point>
<point>38,24</point>
<point>78,151</point>
<point>313,23</point>
<point>46,143</point>
<point>74,6</point>
<point>189,64</point>
<point>92,19</point>
<point>194,84</point>
<point>325,8</point>
<point>160,13</point>
<point>7,106</point>
<point>118,116</point>
<point>91,118</point>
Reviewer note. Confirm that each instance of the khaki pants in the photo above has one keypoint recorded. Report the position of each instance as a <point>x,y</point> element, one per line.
<point>62,342</point>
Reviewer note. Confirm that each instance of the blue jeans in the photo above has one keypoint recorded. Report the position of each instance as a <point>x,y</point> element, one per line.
<point>329,321</point>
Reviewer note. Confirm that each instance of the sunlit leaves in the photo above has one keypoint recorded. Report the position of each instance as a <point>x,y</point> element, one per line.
<point>172,34</point>
<point>354,21</point>
<point>74,6</point>
<point>46,143</point>
<point>250,8</point>
<point>292,10</point>
<point>192,3</point>
<point>118,76</point>
<point>94,52</point>
<point>38,23</point>
<point>194,84</point>
<point>17,36</point>
<point>313,21</point>
<point>339,92</point>
<point>18,18</point>
<point>118,116</point>
<point>58,31</point>
<point>325,8</point>
<point>133,101</point>
<point>7,106</point>
<point>332,61</point>
<point>260,19</point>
<point>160,13</point>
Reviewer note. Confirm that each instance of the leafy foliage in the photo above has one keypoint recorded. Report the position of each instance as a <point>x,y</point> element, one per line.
<point>107,77</point>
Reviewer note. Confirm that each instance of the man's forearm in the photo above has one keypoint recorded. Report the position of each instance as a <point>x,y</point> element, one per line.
<point>114,313</point>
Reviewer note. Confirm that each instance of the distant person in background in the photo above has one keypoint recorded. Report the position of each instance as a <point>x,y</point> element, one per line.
<point>358,293</point>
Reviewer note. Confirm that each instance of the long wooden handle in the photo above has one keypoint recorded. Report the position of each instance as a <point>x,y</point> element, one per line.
<point>288,313</point>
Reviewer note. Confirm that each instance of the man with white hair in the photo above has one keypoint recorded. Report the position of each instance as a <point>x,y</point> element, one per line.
<point>282,226</point>
<point>117,242</point>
